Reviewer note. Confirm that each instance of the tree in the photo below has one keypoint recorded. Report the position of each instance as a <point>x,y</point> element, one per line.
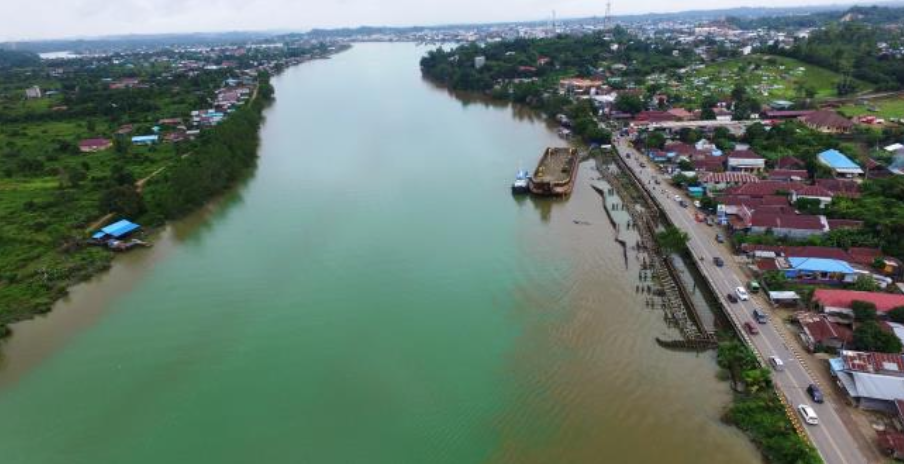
<point>628,103</point>
<point>865,283</point>
<point>869,336</point>
<point>655,139</point>
<point>122,199</point>
<point>864,311</point>
<point>672,240</point>
<point>896,315</point>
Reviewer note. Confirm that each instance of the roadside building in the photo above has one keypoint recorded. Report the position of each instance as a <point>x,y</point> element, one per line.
<point>819,332</point>
<point>837,301</point>
<point>787,224</point>
<point>93,145</point>
<point>840,187</point>
<point>873,381</point>
<point>818,270</point>
<point>480,61</point>
<point>891,442</point>
<point>790,162</point>
<point>841,165</point>
<point>719,181</point>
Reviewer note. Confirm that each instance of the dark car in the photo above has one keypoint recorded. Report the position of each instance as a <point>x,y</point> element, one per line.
<point>815,393</point>
<point>718,261</point>
<point>751,329</point>
<point>720,238</point>
<point>732,298</point>
<point>759,315</point>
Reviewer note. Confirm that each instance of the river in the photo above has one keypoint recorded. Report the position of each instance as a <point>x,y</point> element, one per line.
<point>371,294</point>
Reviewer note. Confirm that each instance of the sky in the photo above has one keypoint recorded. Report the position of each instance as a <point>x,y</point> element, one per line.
<point>44,19</point>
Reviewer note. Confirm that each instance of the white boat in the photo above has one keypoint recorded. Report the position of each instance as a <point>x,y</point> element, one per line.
<point>522,183</point>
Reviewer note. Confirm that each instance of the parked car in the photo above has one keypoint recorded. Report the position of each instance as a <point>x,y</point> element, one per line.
<point>777,363</point>
<point>754,286</point>
<point>696,203</point>
<point>643,165</point>
<point>720,238</point>
<point>808,414</point>
<point>683,203</point>
<point>750,328</point>
<point>742,294</point>
<point>815,393</point>
<point>677,197</point>
<point>718,261</point>
<point>732,298</point>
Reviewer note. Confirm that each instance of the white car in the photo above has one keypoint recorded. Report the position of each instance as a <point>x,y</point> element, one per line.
<point>742,294</point>
<point>697,203</point>
<point>677,197</point>
<point>808,414</point>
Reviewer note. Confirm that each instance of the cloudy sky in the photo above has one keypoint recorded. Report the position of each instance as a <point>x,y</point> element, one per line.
<point>41,19</point>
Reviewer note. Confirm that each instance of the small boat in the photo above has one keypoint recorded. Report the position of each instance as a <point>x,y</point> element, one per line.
<point>522,183</point>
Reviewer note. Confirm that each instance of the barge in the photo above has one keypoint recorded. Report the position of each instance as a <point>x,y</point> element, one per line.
<point>556,172</point>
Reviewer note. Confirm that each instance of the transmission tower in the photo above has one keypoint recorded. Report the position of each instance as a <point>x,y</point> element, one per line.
<point>607,20</point>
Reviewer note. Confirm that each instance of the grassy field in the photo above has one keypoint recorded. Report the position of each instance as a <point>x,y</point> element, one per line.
<point>884,108</point>
<point>767,77</point>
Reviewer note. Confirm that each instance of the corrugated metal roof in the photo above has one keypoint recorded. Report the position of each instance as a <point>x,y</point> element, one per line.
<point>820,265</point>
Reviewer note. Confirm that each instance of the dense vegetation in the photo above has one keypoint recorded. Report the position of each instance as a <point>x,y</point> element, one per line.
<point>18,59</point>
<point>758,411</point>
<point>52,195</point>
<point>225,154</point>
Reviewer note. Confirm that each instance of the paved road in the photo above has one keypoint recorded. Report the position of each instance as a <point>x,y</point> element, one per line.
<point>835,443</point>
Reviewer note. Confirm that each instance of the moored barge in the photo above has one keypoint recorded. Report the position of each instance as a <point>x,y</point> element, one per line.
<point>556,172</point>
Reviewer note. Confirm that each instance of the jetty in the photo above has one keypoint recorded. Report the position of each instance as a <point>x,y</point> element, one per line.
<point>556,172</point>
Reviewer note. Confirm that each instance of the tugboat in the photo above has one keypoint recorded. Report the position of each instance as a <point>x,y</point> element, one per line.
<point>522,183</point>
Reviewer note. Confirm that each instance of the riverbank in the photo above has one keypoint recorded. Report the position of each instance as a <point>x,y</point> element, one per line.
<point>169,188</point>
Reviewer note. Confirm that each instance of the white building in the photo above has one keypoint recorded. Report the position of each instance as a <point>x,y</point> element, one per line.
<point>33,92</point>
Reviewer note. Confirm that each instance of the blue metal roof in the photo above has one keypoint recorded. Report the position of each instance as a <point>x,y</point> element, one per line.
<point>836,160</point>
<point>820,265</point>
<point>118,229</point>
<point>144,138</point>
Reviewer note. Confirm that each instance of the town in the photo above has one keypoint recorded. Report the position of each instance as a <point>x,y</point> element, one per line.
<point>751,162</point>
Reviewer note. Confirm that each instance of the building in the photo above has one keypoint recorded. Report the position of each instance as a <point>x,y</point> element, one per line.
<point>33,92</point>
<point>837,301</point>
<point>841,165</point>
<point>812,192</point>
<point>788,175</point>
<point>480,61</point>
<point>828,122</point>
<point>819,332</point>
<point>787,224</point>
<point>117,230</point>
<point>819,270</point>
<point>746,161</point>
<point>872,380</point>
<point>145,139</point>
<point>891,442</point>
<point>718,181</point>
<point>93,145</point>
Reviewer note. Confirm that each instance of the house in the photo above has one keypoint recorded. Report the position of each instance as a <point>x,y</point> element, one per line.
<point>681,114</point>
<point>828,122</point>
<point>117,230</point>
<point>145,139</point>
<point>790,162</point>
<point>764,188</point>
<point>653,117</point>
<point>819,270</point>
<point>579,85</point>
<point>891,442</point>
<point>788,175</point>
<point>841,165</point>
<point>786,114</point>
<point>717,181</point>
<point>873,381</point>
<point>787,225</point>
<point>837,301</point>
<point>746,161</point>
<point>480,61</point>
<point>33,92</point>
<point>722,114</point>
<point>812,192</point>
<point>93,145</point>
<point>819,331</point>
